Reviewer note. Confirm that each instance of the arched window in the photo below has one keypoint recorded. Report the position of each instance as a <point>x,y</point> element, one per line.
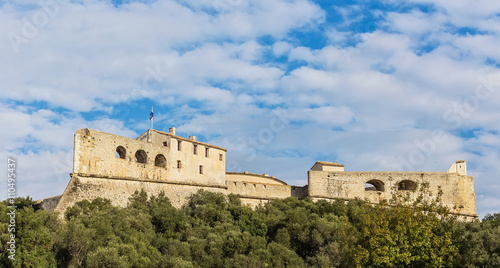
<point>120,152</point>
<point>407,185</point>
<point>141,157</point>
<point>160,161</point>
<point>374,185</point>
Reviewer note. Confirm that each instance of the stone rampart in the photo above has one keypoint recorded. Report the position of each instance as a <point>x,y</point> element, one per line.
<point>119,190</point>
<point>457,190</point>
<point>114,167</point>
<point>256,188</point>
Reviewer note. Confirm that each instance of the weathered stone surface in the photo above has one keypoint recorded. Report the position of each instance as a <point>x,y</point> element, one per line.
<point>50,203</point>
<point>457,190</point>
<point>118,190</point>
<point>114,167</point>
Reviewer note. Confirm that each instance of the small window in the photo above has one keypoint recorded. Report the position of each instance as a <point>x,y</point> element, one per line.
<point>195,149</point>
<point>141,157</point>
<point>206,152</point>
<point>201,169</point>
<point>221,157</point>
<point>179,164</point>
<point>374,185</point>
<point>407,185</point>
<point>165,144</point>
<point>120,152</point>
<point>160,161</point>
<point>179,145</point>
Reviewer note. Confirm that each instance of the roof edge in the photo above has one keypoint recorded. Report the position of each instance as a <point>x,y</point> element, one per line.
<point>185,139</point>
<point>257,175</point>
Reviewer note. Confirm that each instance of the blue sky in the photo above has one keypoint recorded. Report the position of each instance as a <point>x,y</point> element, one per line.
<point>374,85</point>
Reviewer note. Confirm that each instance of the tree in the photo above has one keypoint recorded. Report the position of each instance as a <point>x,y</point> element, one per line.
<point>404,232</point>
<point>213,230</point>
<point>34,239</point>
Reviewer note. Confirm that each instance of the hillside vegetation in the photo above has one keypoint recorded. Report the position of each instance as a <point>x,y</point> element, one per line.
<point>214,230</point>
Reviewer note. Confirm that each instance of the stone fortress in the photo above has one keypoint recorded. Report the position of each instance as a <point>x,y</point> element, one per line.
<point>114,167</point>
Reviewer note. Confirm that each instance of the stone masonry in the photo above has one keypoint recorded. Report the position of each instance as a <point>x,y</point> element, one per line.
<point>114,167</point>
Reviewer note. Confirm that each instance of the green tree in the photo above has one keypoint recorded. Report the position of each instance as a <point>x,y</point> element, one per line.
<point>34,234</point>
<point>478,242</point>
<point>214,230</point>
<point>403,232</point>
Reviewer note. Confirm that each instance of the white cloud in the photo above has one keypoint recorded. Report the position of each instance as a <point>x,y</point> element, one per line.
<point>416,22</point>
<point>327,116</point>
<point>464,12</point>
<point>94,51</point>
<point>16,127</point>
<point>281,47</point>
<point>305,79</point>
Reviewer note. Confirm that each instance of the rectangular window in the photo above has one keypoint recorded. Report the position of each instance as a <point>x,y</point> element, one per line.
<point>201,169</point>
<point>195,149</point>
<point>179,164</point>
<point>179,145</point>
<point>221,157</point>
<point>164,143</point>
<point>206,152</point>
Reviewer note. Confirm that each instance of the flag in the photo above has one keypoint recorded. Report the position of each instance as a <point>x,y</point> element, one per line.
<point>151,115</point>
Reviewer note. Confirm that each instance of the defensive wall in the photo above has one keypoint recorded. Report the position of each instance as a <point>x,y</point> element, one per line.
<point>114,167</point>
<point>255,188</point>
<point>330,181</point>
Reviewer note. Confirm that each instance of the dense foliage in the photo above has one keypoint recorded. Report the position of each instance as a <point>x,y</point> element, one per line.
<point>214,230</point>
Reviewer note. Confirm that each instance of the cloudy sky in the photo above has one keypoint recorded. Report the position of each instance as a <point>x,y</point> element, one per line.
<point>373,85</point>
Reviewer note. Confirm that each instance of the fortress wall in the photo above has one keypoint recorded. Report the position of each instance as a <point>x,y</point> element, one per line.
<point>118,190</point>
<point>463,195</point>
<point>95,154</point>
<point>98,172</point>
<point>300,192</point>
<point>255,189</point>
<point>253,202</point>
<point>50,203</point>
<point>258,190</point>
<point>458,190</point>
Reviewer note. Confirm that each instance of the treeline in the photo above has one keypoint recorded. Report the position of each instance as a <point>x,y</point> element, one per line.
<point>214,230</point>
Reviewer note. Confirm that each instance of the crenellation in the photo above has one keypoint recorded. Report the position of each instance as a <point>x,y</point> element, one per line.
<point>114,167</point>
